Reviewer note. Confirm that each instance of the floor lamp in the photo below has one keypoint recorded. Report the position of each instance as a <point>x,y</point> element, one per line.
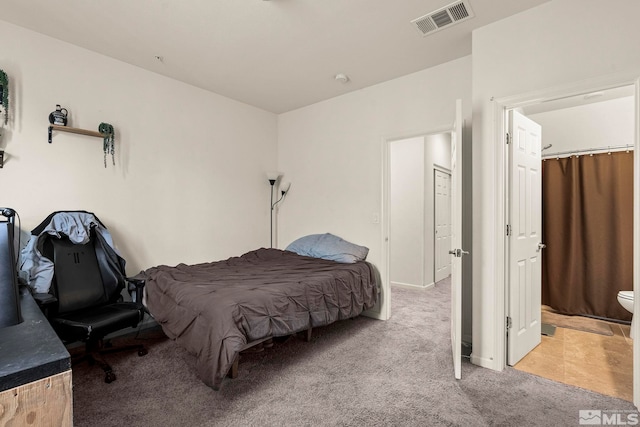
<point>273,178</point>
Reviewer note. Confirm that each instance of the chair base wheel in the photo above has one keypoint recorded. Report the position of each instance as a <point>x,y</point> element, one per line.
<point>109,377</point>
<point>142,352</point>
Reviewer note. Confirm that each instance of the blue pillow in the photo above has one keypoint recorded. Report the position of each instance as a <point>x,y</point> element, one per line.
<point>328,246</point>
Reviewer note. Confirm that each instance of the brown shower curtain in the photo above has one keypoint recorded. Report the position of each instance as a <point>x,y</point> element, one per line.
<point>587,222</point>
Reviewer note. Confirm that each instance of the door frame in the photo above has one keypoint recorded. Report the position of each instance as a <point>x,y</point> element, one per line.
<point>385,219</point>
<point>500,110</point>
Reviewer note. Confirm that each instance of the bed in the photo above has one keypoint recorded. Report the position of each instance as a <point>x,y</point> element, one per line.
<point>214,310</point>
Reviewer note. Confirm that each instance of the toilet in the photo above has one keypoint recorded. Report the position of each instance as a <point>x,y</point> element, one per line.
<point>625,298</point>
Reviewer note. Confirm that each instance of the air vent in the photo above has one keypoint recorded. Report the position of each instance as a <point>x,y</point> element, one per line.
<point>442,18</point>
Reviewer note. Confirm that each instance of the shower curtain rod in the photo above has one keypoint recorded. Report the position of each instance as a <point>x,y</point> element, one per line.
<point>589,150</point>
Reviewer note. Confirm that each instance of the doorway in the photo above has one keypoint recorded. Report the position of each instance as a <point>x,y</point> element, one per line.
<point>567,130</point>
<point>453,157</point>
<point>418,170</point>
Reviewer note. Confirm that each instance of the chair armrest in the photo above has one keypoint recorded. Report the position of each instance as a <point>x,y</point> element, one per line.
<point>136,289</point>
<point>44,300</point>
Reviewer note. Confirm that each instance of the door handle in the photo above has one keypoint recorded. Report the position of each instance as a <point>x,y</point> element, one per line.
<point>541,246</point>
<point>458,253</point>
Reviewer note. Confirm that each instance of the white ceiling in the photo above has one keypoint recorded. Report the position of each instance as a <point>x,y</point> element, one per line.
<point>277,55</point>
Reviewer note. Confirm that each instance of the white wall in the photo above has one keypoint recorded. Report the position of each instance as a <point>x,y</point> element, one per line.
<point>558,43</point>
<point>189,182</point>
<point>407,212</point>
<point>439,150</point>
<point>596,125</point>
<point>332,151</point>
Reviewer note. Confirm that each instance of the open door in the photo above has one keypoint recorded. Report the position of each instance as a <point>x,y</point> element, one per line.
<point>525,237</point>
<point>456,242</point>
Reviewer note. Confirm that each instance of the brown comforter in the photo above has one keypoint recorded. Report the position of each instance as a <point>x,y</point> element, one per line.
<point>214,309</point>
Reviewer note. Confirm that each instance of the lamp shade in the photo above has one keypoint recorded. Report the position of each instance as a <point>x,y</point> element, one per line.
<point>273,176</point>
<point>285,187</point>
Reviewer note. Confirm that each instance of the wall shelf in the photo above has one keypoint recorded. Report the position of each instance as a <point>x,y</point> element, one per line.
<point>74,130</point>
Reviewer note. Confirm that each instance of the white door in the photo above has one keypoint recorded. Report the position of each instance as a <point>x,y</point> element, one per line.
<point>456,242</point>
<point>442,220</point>
<point>524,236</point>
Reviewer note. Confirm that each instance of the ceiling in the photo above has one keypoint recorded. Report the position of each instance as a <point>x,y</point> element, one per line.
<point>277,55</point>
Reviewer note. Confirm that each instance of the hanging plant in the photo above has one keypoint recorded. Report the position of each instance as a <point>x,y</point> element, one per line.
<point>4,94</point>
<point>108,145</point>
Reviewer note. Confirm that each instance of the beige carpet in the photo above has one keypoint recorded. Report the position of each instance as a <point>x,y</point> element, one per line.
<point>579,323</point>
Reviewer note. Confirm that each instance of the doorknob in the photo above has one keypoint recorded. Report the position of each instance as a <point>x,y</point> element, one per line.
<point>458,253</point>
<point>541,246</point>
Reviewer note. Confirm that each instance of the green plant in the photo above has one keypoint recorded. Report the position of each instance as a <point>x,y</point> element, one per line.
<point>109,144</point>
<point>4,90</point>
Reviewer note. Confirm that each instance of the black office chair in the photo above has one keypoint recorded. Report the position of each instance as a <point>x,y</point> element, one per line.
<point>85,302</point>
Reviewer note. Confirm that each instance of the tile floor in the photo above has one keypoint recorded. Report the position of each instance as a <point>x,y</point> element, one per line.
<point>591,361</point>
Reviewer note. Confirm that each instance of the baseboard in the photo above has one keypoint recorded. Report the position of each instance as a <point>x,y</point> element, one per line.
<point>373,314</point>
<point>412,286</point>
<point>484,362</point>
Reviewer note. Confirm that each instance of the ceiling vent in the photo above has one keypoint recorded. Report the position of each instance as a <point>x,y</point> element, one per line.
<point>443,17</point>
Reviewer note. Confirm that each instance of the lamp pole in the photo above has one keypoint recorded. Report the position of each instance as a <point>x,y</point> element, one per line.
<point>272,182</point>
<point>273,178</point>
